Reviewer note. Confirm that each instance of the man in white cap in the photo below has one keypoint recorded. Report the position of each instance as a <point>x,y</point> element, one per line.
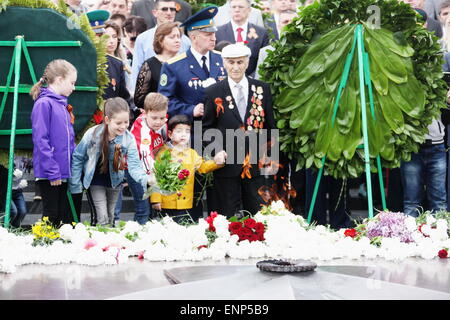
<point>241,105</point>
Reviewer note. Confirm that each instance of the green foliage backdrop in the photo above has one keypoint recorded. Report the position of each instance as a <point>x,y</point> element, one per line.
<point>304,72</point>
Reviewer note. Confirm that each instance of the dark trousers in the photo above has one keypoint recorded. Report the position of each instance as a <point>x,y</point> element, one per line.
<point>55,203</point>
<point>233,194</point>
<point>335,206</point>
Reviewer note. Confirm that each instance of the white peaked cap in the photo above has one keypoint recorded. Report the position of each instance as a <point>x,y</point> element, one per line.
<point>236,50</point>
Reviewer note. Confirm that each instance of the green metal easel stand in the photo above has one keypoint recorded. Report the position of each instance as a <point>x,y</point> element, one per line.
<point>20,45</point>
<point>364,80</point>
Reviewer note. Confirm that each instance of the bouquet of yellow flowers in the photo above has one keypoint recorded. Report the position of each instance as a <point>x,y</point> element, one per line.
<point>170,176</point>
<point>44,232</point>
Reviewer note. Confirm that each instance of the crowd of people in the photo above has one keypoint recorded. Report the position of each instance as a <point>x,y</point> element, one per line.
<point>169,69</point>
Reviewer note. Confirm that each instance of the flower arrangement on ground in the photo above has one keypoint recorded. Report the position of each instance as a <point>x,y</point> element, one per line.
<point>273,232</point>
<point>44,232</point>
<point>247,229</point>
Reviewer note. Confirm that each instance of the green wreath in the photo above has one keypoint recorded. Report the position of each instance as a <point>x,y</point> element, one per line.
<point>98,42</point>
<point>305,68</point>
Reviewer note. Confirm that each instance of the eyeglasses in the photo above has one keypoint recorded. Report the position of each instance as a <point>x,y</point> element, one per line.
<point>165,9</point>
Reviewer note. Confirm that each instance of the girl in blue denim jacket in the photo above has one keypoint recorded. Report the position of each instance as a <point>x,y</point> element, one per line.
<point>99,161</point>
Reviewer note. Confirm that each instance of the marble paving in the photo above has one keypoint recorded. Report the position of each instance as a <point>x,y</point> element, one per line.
<point>412,279</point>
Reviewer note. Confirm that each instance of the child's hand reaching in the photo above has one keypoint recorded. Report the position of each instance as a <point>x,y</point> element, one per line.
<point>156,206</point>
<point>151,180</point>
<point>220,157</point>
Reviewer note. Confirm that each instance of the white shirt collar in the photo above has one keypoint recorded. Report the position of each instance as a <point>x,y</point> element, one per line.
<point>243,83</point>
<point>199,56</point>
<point>244,30</point>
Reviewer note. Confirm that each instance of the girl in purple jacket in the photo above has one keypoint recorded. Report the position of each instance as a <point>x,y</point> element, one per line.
<point>53,138</point>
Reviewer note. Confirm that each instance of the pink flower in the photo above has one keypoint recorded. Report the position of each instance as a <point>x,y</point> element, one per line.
<point>141,255</point>
<point>183,174</point>
<point>89,244</point>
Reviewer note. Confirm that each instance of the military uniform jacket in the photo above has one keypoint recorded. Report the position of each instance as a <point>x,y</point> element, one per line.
<point>221,113</point>
<point>183,81</point>
<point>117,86</point>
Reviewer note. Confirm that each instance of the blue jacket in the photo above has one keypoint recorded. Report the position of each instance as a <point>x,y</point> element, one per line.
<point>53,136</point>
<point>88,152</point>
<point>181,81</point>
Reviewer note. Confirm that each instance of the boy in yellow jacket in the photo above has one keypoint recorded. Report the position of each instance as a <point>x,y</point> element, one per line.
<point>179,132</point>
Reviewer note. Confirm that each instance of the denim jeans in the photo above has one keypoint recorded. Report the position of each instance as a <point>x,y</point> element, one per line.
<point>118,208</point>
<point>425,174</point>
<point>18,208</point>
<point>104,201</point>
<point>142,207</point>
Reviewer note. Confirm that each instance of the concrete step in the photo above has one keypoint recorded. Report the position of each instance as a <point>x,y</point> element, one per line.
<point>127,202</point>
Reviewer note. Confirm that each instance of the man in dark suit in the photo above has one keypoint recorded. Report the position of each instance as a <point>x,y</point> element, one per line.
<point>240,30</point>
<point>184,78</point>
<point>242,106</point>
<point>143,8</point>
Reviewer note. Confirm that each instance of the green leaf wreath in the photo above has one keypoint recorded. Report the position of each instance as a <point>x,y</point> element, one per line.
<point>305,70</point>
<point>98,42</point>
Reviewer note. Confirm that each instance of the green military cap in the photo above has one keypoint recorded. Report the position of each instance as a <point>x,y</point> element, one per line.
<point>97,19</point>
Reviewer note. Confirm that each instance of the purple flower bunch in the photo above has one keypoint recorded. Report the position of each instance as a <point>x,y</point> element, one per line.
<point>389,225</point>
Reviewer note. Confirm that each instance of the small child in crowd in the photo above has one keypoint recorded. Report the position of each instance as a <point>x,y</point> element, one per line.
<point>100,160</point>
<point>18,204</point>
<point>179,131</point>
<point>53,138</point>
<point>150,132</point>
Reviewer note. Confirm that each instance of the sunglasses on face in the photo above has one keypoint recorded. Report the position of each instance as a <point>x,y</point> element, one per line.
<point>165,9</point>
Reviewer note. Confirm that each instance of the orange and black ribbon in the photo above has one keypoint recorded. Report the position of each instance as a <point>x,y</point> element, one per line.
<point>72,116</point>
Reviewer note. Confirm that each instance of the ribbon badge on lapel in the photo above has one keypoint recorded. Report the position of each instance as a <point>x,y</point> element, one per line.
<point>219,106</point>
<point>252,34</point>
<point>113,83</point>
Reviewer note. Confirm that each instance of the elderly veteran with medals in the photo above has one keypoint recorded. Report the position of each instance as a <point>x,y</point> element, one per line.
<point>244,106</point>
<point>185,77</point>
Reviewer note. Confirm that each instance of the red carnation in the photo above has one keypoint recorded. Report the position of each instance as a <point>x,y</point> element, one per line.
<point>213,214</point>
<point>247,231</point>
<point>185,172</point>
<point>234,227</point>
<point>250,223</point>
<point>259,227</point>
<point>443,254</point>
<point>350,233</point>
